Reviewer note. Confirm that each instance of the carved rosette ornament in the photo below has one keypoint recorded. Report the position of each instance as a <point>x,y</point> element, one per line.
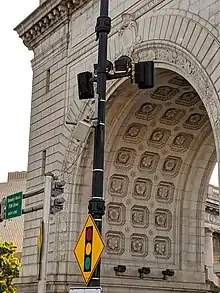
<point>115,242</point>
<point>163,219</point>
<point>149,162</point>
<point>195,121</point>
<point>172,116</point>
<point>164,93</point>
<point>125,158</point>
<point>159,137</point>
<point>148,111</point>
<point>138,245</point>
<point>181,142</point>
<point>135,133</point>
<point>142,188</point>
<point>162,247</point>
<point>188,99</point>
<point>139,216</point>
<point>171,165</point>
<point>118,185</point>
<point>115,213</point>
<point>165,192</point>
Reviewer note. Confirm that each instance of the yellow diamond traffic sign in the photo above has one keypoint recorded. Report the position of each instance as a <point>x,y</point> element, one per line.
<point>39,248</point>
<point>89,248</point>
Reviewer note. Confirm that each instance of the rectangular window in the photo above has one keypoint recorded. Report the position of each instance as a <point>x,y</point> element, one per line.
<point>47,81</point>
<point>216,247</point>
<point>44,156</point>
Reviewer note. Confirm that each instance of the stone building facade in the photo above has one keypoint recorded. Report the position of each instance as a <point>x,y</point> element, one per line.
<point>161,144</point>
<point>212,235</point>
<point>12,230</point>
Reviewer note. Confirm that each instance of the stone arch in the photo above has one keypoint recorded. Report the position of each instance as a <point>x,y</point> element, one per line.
<point>113,139</point>
<point>175,59</point>
<point>192,66</point>
<point>175,259</point>
<point>180,14</point>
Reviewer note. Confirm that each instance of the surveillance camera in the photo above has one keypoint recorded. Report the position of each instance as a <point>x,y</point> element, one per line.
<point>120,269</point>
<point>144,271</point>
<point>167,273</point>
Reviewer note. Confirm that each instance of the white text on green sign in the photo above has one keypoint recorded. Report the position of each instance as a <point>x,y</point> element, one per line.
<point>14,205</point>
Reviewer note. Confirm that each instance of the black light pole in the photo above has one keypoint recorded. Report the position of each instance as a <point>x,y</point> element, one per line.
<point>97,203</point>
<point>103,71</point>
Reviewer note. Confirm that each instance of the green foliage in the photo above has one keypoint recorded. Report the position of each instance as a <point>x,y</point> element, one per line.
<point>9,267</point>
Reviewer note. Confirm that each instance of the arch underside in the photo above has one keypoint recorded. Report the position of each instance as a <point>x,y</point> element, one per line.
<point>160,152</point>
<point>161,147</point>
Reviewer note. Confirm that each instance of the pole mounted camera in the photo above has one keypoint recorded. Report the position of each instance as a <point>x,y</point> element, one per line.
<point>120,269</point>
<point>141,73</point>
<point>144,271</point>
<point>123,64</point>
<point>167,273</point>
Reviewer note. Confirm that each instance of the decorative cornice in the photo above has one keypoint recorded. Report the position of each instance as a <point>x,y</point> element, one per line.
<point>45,19</point>
<point>212,208</point>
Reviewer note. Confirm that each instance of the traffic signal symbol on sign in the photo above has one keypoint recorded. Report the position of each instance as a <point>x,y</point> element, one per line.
<point>39,248</point>
<point>88,249</point>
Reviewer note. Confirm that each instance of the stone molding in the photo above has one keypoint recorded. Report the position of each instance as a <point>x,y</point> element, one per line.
<point>46,18</point>
<point>135,13</point>
<point>51,14</point>
<point>212,208</point>
<point>189,15</point>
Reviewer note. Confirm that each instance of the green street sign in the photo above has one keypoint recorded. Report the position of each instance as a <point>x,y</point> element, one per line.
<point>13,205</point>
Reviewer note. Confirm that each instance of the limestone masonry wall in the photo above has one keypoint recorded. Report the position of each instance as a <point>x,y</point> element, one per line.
<point>180,35</point>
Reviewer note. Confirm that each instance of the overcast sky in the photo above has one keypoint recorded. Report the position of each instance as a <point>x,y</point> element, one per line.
<point>16,80</point>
